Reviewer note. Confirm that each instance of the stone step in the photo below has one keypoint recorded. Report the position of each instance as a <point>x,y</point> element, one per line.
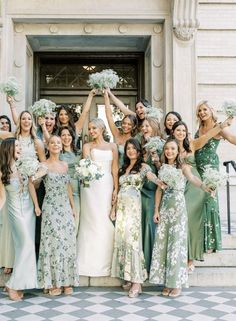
<point>213,276</point>
<point>229,241</point>
<point>224,258</point>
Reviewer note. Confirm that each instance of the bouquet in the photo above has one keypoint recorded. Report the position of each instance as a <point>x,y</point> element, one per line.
<point>43,107</point>
<point>31,167</point>
<point>107,78</point>
<point>229,107</point>
<point>170,175</point>
<point>88,171</point>
<point>154,112</point>
<point>212,178</point>
<point>10,87</point>
<point>155,144</point>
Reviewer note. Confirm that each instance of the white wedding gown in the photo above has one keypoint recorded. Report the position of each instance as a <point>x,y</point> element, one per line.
<point>96,231</point>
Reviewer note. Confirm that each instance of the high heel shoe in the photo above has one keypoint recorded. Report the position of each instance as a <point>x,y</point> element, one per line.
<point>134,293</point>
<point>126,286</point>
<point>54,291</point>
<point>68,290</point>
<point>166,291</point>
<point>175,292</point>
<point>20,293</point>
<point>13,294</point>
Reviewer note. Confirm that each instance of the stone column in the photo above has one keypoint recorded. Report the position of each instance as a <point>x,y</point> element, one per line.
<point>185,24</point>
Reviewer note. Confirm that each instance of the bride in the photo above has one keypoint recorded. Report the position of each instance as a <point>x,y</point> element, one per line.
<point>96,231</point>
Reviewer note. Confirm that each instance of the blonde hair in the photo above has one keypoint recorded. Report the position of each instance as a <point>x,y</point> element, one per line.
<point>32,129</point>
<point>208,105</point>
<point>155,125</point>
<point>98,122</point>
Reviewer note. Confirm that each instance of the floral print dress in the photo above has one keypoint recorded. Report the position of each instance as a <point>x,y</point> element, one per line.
<point>169,256</point>
<point>128,259</point>
<point>212,228</point>
<point>57,256</point>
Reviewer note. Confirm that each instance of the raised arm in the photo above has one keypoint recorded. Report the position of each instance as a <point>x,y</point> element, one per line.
<point>115,131</point>
<point>114,172</point>
<point>10,101</point>
<point>46,135</point>
<point>219,129</point>
<point>120,104</point>
<point>226,134</point>
<point>80,122</point>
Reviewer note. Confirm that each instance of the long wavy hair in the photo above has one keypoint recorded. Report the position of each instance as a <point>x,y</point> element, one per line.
<point>208,105</point>
<point>186,143</point>
<point>177,115</point>
<point>146,104</point>
<point>138,164</point>
<point>98,122</point>
<point>155,125</point>
<point>71,121</point>
<point>32,129</point>
<point>7,119</point>
<point>134,122</point>
<point>7,152</point>
<point>164,159</point>
<point>72,135</point>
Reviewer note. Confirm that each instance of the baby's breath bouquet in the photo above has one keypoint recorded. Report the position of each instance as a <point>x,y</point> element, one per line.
<point>43,107</point>
<point>107,78</point>
<point>87,171</point>
<point>31,167</point>
<point>154,112</point>
<point>170,175</point>
<point>10,87</point>
<point>155,144</point>
<point>229,107</point>
<point>212,178</point>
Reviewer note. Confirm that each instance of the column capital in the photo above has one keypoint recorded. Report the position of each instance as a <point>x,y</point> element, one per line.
<point>185,22</point>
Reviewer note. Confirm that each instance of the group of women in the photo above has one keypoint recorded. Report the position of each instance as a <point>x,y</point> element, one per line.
<point>128,224</point>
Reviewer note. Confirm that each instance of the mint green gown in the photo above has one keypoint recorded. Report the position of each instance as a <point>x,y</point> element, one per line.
<point>212,229</point>
<point>71,159</point>
<point>194,198</point>
<point>169,257</point>
<point>121,154</point>
<point>22,223</point>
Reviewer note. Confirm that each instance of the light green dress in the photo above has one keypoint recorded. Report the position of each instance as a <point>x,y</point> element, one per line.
<point>71,159</point>
<point>169,257</point>
<point>22,223</point>
<point>212,229</point>
<point>194,198</point>
<point>57,255</point>
<point>121,150</point>
<point>128,259</point>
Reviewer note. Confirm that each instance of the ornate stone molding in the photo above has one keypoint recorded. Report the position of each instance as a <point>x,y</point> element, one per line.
<point>185,22</point>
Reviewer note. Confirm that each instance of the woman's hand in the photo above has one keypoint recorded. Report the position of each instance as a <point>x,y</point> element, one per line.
<point>10,100</point>
<point>37,211</point>
<point>154,156</point>
<point>41,121</point>
<point>227,122</point>
<point>113,214</point>
<point>156,216</point>
<point>93,92</point>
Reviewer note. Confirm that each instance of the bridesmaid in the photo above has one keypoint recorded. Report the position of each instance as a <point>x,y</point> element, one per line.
<point>207,156</point>
<point>96,231</point>
<point>47,127</point>
<point>57,267</point>
<point>169,257</point>
<point>22,221</point>
<point>70,155</point>
<point>169,121</point>
<point>6,241</point>
<point>121,135</point>
<point>194,209</point>
<point>150,128</point>
<point>128,258</point>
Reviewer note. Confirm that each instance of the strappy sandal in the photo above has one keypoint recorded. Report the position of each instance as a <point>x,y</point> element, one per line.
<point>166,291</point>
<point>54,292</point>
<point>13,294</point>
<point>134,293</point>
<point>175,292</point>
<point>126,286</point>
<point>67,290</point>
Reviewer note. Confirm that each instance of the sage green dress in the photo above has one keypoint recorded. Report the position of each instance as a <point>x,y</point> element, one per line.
<point>128,258</point>
<point>71,159</point>
<point>194,198</point>
<point>169,257</point>
<point>121,150</point>
<point>212,229</point>
<point>148,226</point>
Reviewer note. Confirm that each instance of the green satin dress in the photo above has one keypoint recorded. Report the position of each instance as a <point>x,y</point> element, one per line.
<point>71,159</point>
<point>194,198</point>
<point>121,150</point>
<point>148,226</point>
<point>212,229</point>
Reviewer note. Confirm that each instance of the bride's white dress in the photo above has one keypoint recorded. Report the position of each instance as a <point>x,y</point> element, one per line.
<point>96,231</point>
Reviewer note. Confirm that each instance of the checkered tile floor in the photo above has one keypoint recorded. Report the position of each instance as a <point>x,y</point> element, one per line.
<point>104,304</point>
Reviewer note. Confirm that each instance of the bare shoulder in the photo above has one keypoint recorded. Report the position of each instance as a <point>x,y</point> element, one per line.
<point>113,146</point>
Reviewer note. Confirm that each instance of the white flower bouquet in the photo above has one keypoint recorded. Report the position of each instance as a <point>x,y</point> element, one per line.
<point>31,167</point>
<point>107,78</point>
<point>88,171</point>
<point>170,175</point>
<point>10,87</point>
<point>229,107</point>
<point>155,144</point>
<point>212,178</point>
<point>154,112</point>
<point>43,107</point>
